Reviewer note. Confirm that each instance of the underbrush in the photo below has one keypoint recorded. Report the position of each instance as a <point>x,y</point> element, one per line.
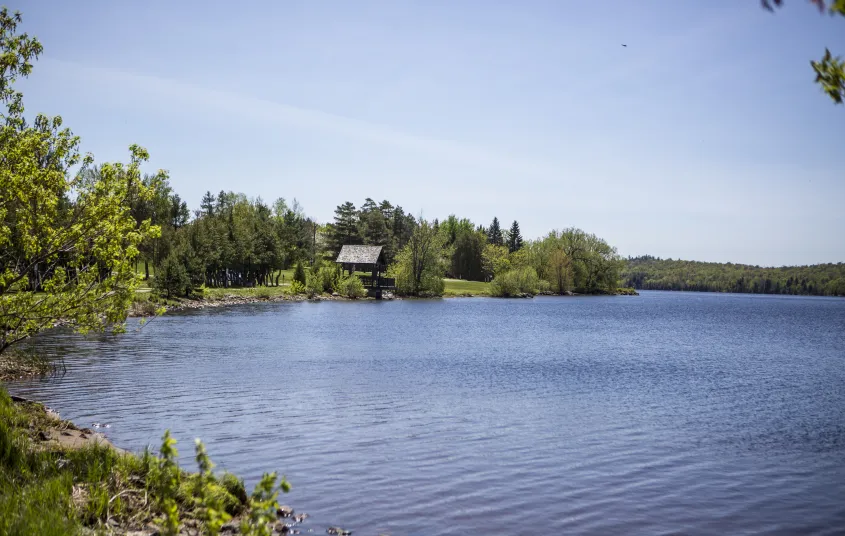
<point>515,283</point>
<point>627,291</point>
<point>49,490</point>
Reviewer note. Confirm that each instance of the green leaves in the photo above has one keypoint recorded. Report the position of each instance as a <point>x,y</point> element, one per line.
<point>166,485</point>
<point>830,71</point>
<point>263,503</point>
<point>419,266</point>
<point>67,241</point>
<point>830,75</point>
<point>211,509</point>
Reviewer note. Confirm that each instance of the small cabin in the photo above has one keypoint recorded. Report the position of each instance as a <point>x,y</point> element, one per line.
<point>369,259</point>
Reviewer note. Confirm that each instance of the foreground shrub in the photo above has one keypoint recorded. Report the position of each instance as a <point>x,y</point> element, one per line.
<point>330,276</point>
<point>47,490</point>
<point>351,287</point>
<point>516,282</point>
<point>296,288</point>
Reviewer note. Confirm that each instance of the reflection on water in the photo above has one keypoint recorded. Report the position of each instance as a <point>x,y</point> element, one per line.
<point>664,413</point>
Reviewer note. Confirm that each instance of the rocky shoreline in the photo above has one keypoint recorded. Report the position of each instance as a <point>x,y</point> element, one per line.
<point>148,309</point>
<point>140,310</point>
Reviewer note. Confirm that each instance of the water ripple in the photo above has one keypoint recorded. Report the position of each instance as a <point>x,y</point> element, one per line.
<point>664,414</point>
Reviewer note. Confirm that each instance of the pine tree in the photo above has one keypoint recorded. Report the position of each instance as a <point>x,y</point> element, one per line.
<point>207,204</point>
<point>514,238</point>
<point>494,234</point>
<point>372,225</point>
<point>299,274</point>
<point>345,228</point>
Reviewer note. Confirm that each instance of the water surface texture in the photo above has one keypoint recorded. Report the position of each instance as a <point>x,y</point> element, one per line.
<point>665,413</point>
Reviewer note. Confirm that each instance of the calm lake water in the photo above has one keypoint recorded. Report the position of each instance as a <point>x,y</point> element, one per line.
<point>665,413</point>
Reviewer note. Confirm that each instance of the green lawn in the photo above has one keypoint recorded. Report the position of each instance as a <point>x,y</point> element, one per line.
<point>457,287</point>
<point>257,292</point>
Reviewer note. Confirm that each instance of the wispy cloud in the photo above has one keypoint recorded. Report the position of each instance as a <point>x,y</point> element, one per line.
<point>211,100</point>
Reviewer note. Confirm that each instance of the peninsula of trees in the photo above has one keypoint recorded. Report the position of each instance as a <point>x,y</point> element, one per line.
<point>236,241</point>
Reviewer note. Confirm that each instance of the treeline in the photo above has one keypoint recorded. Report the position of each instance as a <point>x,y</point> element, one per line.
<point>650,273</point>
<point>232,240</point>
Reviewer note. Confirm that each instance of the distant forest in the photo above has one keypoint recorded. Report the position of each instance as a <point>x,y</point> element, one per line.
<point>651,273</point>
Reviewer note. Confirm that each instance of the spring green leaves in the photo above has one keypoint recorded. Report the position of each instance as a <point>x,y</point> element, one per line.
<point>830,75</point>
<point>830,70</point>
<point>258,517</point>
<point>67,240</point>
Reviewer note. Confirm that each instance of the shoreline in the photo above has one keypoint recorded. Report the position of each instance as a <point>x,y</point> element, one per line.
<point>146,309</point>
<point>66,451</point>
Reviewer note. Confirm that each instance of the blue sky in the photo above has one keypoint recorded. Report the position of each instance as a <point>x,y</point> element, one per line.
<point>704,138</point>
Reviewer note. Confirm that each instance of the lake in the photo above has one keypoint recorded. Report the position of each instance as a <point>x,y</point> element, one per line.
<point>687,413</point>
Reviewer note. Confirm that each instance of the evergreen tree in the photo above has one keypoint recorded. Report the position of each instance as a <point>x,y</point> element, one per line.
<point>514,238</point>
<point>494,234</point>
<point>172,277</point>
<point>179,213</point>
<point>345,228</point>
<point>299,274</point>
<point>373,228</point>
<point>207,204</point>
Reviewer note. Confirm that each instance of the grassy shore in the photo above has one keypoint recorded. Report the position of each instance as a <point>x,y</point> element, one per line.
<point>459,287</point>
<point>58,479</point>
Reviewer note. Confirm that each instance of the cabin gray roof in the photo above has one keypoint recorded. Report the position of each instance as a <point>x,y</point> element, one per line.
<point>359,254</point>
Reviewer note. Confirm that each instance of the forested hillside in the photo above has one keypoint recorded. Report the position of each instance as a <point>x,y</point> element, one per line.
<point>652,273</point>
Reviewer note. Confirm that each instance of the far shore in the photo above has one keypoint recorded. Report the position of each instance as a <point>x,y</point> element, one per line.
<point>242,296</point>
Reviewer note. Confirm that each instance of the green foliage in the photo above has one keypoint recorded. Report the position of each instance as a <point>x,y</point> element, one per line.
<point>516,282</point>
<point>329,276</point>
<point>419,266</point>
<point>172,278</point>
<point>494,260</point>
<point>652,273</point>
<point>296,288</point>
<point>299,274</point>
<point>830,70</point>
<point>544,287</point>
<point>211,505</point>
<point>263,503</point>
<point>514,238</point>
<point>830,75</point>
<point>463,247</point>
<point>68,240</point>
<point>351,287</point>
<point>494,233</point>
<point>49,490</point>
<point>345,228</point>
<point>165,483</point>
<point>572,259</point>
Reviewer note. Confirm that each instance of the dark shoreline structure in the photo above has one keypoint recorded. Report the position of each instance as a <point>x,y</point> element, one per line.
<point>370,259</point>
<point>652,273</point>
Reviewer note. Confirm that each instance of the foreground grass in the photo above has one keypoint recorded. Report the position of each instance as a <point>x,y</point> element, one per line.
<point>459,287</point>
<point>49,487</point>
